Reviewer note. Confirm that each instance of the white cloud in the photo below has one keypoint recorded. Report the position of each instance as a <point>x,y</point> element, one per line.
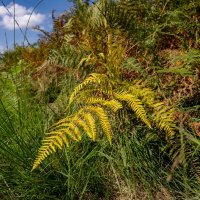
<point>2,49</point>
<point>22,15</point>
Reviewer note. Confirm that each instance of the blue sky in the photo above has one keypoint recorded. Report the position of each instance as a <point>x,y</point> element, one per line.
<point>41,16</point>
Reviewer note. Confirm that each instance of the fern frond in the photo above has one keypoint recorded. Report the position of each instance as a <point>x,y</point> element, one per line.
<point>48,146</point>
<point>70,128</point>
<point>64,120</point>
<point>162,114</point>
<point>104,121</point>
<point>140,90</point>
<point>67,56</point>
<point>82,123</point>
<point>82,119</point>
<point>113,104</point>
<point>102,116</point>
<point>121,16</point>
<point>163,117</point>
<point>93,78</point>
<point>96,18</point>
<point>135,104</point>
<point>91,122</point>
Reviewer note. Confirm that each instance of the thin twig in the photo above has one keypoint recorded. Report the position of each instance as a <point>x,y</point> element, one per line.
<point>4,5</point>
<point>26,29</point>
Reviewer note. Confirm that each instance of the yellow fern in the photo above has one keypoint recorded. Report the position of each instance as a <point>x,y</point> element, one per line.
<point>163,117</point>
<point>83,124</point>
<point>146,95</point>
<point>135,104</point>
<point>113,104</point>
<point>103,121</point>
<point>96,94</point>
<point>69,128</point>
<point>93,78</point>
<point>49,146</point>
<point>91,124</point>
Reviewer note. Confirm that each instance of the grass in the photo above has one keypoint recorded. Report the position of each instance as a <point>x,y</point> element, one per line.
<point>135,166</point>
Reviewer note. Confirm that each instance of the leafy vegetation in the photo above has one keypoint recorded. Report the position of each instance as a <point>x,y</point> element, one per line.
<point>126,69</point>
